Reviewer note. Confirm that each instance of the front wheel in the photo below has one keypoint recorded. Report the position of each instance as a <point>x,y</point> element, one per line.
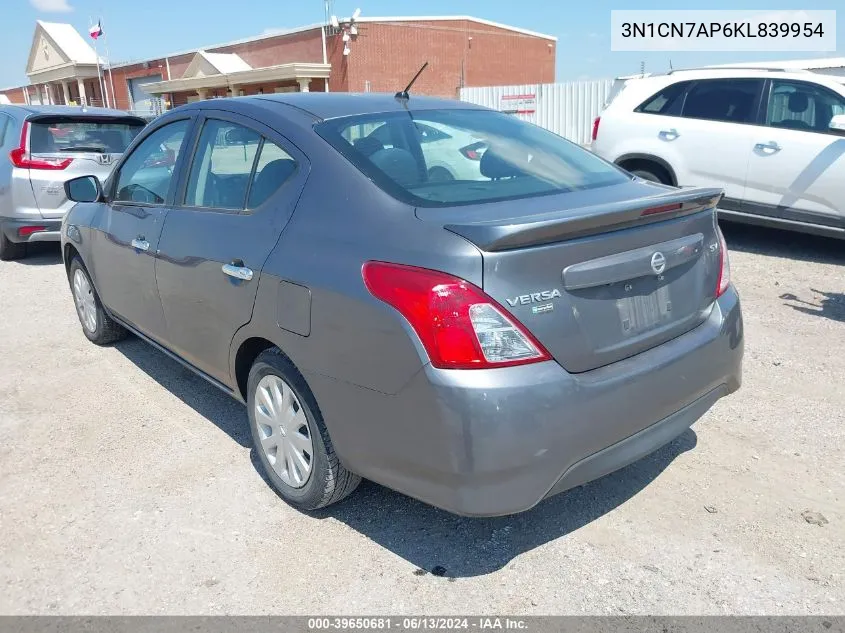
<point>290,438</point>
<point>97,325</point>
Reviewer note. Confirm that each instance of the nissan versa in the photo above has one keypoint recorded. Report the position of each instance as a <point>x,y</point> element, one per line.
<point>480,342</point>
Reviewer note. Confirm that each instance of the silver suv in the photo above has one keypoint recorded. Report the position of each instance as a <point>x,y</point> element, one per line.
<point>46,146</point>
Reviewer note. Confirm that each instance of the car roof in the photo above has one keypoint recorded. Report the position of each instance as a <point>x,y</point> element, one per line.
<point>66,110</point>
<point>331,105</point>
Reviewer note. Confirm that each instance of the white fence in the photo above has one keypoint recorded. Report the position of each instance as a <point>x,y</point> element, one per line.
<point>567,109</point>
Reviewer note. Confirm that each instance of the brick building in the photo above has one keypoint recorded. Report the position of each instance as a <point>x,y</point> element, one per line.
<point>368,54</point>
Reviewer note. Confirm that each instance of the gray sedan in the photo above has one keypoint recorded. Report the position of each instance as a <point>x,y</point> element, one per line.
<point>480,342</point>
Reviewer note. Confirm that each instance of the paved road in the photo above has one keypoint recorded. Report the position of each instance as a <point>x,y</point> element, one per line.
<point>127,485</point>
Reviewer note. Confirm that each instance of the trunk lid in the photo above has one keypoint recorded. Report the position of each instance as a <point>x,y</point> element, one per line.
<point>599,275</point>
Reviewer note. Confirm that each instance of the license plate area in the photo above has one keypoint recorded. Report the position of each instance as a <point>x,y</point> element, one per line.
<point>644,309</point>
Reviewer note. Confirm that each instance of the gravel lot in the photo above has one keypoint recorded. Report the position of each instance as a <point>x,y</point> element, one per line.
<point>127,485</point>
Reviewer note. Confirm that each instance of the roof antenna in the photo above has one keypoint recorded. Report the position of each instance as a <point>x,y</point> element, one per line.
<point>404,93</point>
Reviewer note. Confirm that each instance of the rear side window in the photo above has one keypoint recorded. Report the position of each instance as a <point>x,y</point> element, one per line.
<point>667,101</point>
<point>235,168</point>
<point>222,166</point>
<point>275,167</point>
<point>69,134</point>
<point>479,156</point>
<point>730,100</point>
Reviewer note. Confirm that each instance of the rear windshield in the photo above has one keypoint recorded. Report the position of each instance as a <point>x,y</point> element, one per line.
<point>107,136</point>
<point>437,158</point>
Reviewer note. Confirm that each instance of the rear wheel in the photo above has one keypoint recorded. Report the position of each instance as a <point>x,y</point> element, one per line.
<point>648,171</point>
<point>97,325</point>
<point>10,250</point>
<point>290,438</point>
<point>440,174</point>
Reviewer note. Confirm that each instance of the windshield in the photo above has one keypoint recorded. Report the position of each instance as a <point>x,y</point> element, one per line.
<point>454,157</point>
<point>82,135</point>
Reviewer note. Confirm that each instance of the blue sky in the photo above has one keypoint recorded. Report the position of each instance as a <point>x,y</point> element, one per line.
<point>156,27</point>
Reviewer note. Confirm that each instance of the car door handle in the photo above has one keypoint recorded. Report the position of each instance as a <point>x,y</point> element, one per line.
<point>140,243</point>
<point>769,148</point>
<point>237,270</point>
<point>669,135</point>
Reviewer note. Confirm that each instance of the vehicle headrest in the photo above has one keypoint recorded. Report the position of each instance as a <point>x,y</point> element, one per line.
<point>494,165</point>
<point>398,164</point>
<point>798,102</point>
<point>367,145</point>
<point>269,178</point>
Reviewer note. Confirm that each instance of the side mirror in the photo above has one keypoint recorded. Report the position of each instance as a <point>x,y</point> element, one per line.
<point>837,123</point>
<point>84,189</point>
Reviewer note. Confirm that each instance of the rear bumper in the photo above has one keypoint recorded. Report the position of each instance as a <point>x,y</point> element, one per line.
<point>495,442</point>
<point>51,233</point>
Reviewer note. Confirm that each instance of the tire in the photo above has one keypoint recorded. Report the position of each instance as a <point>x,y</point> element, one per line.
<point>652,176</point>
<point>440,174</point>
<point>97,325</point>
<point>10,250</point>
<point>327,481</point>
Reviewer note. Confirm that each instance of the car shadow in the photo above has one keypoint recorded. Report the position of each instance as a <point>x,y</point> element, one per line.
<point>432,540</point>
<point>831,305</point>
<point>760,240</point>
<point>42,254</point>
<point>210,402</point>
<point>443,544</point>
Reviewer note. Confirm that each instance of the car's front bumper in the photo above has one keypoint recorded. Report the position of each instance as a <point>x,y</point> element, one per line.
<point>494,442</point>
<point>49,230</point>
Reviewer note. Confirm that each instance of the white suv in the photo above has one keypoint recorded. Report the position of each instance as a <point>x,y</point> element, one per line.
<point>774,140</point>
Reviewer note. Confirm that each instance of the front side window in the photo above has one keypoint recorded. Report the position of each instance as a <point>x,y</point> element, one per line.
<point>147,174</point>
<point>479,156</point>
<point>802,106</point>
<point>222,166</point>
<point>729,100</point>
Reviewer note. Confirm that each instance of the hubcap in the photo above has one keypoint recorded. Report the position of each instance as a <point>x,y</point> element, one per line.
<point>284,431</point>
<point>83,297</point>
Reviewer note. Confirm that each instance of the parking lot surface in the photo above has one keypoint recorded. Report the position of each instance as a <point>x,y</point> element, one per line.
<point>127,485</point>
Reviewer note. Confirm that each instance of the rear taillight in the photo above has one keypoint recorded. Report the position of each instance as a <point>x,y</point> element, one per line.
<point>596,122</point>
<point>724,265</point>
<point>474,151</point>
<point>26,231</point>
<point>459,326</point>
<point>21,157</point>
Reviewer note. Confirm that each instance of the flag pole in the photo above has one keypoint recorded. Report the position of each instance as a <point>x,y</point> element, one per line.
<point>99,76</point>
<point>108,61</point>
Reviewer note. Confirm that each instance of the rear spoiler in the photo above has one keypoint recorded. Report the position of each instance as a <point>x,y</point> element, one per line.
<point>545,228</point>
<point>82,117</point>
